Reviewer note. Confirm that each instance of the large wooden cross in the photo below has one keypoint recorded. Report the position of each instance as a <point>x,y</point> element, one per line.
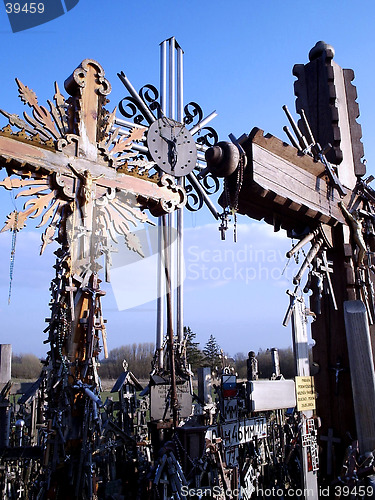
<point>290,188</point>
<point>86,182</point>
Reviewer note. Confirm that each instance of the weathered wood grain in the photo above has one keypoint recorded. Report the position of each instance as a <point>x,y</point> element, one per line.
<point>280,180</point>
<point>362,371</point>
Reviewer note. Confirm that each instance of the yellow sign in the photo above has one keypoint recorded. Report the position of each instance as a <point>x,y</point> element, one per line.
<point>305,393</point>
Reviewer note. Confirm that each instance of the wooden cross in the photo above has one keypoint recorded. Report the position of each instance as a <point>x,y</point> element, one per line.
<point>325,267</point>
<point>290,188</point>
<point>330,441</point>
<point>73,162</point>
<point>87,183</point>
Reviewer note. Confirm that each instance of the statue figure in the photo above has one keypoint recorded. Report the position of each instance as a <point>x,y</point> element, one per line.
<point>356,223</point>
<point>252,367</point>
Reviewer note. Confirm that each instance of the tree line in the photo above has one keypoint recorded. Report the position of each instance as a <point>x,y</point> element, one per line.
<point>139,357</point>
<point>212,355</point>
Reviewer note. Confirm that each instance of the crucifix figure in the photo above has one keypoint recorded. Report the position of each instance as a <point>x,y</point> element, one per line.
<point>316,183</point>
<point>87,183</point>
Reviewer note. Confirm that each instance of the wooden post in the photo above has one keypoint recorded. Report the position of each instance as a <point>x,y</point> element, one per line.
<point>362,372</point>
<point>5,363</point>
<point>301,356</point>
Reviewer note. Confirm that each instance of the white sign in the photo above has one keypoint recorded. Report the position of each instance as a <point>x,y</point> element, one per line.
<point>240,432</point>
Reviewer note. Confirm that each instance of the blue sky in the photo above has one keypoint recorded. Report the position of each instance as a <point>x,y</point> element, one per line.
<point>238,61</point>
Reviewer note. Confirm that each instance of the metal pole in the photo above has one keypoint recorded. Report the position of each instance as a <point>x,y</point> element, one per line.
<point>180,84</point>
<point>161,222</point>
<point>275,361</point>
<point>172,79</point>
<point>203,123</point>
<point>163,76</point>
<point>142,106</point>
<point>161,293</point>
<point>170,335</point>
<point>171,217</point>
<point>180,212</point>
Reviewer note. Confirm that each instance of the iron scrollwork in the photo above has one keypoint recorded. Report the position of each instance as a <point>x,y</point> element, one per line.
<point>150,95</point>
<point>193,112</point>
<point>129,109</point>
<point>211,184</point>
<point>210,138</point>
<point>139,106</point>
<point>195,190</point>
<point>194,199</point>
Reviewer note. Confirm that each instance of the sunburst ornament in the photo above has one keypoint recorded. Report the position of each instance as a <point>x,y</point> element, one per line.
<point>71,161</point>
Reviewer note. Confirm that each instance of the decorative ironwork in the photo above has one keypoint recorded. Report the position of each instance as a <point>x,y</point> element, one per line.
<point>130,110</point>
<point>150,96</point>
<point>210,184</point>
<point>194,199</point>
<point>138,107</point>
<point>142,102</point>
<point>210,138</point>
<point>196,190</point>
<point>192,112</point>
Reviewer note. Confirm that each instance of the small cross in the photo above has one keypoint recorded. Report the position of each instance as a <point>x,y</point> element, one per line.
<point>328,270</point>
<point>224,225</point>
<point>330,441</point>
<point>337,368</point>
<point>293,298</point>
<point>20,490</point>
<point>71,288</point>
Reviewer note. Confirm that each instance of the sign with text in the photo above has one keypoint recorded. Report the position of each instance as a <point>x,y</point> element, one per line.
<point>161,399</point>
<point>240,432</point>
<point>230,409</point>
<point>305,393</point>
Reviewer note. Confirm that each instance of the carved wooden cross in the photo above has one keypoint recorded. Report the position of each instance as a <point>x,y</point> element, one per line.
<point>87,183</point>
<point>76,166</point>
<point>289,188</point>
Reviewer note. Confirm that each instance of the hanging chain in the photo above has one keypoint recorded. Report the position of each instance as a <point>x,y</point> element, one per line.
<point>231,207</point>
<point>13,253</point>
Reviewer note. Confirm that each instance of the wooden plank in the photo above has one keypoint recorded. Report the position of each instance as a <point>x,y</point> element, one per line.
<point>346,171</point>
<point>301,357</point>
<point>34,157</point>
<point>287,152</point>
<point>300,187</point>
<point>280,180</point>
<point>362,372</point>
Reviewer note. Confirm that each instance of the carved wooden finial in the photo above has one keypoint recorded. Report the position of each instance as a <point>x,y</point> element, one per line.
<point>319,48</point>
